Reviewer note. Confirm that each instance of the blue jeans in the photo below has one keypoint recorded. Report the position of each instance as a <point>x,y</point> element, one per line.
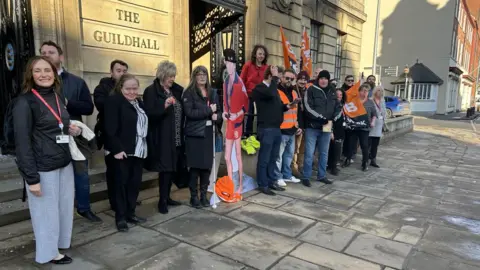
<point>270,140</point>
<point>82,189</point>
<point>285,157</point>
<point>316,137</point>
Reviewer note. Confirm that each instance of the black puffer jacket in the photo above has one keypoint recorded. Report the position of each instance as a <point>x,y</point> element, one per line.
<point>35,130</point>
<point>321,105</point>
<point>197,111</point>
<point>100,95</point>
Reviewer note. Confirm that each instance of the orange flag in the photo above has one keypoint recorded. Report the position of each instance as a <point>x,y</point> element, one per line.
<point>353,107</point>
<point>306,60</point>
<point>289,57</point>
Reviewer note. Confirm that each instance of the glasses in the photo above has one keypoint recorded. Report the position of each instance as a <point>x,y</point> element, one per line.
<point>201,75</point>
<point>349,80</point>
<point>289,78</point>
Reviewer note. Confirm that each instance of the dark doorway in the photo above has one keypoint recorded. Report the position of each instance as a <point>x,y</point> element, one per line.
<point>16,47</point>
<point>214,26</point>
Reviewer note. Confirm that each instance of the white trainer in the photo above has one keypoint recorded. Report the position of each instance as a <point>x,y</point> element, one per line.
<point>293,179</point>
<point>281,183</point>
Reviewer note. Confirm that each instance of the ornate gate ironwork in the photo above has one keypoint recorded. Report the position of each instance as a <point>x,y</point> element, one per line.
<point>16,47</point>
<point>209,20</point>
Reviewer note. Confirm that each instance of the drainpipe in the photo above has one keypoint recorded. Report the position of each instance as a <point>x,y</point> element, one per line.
<point>375,45</point>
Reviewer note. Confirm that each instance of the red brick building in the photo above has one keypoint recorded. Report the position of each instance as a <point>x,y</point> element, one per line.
<point>473,7</point>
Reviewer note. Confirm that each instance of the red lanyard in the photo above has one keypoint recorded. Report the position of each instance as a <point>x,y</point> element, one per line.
<point>57,116</point>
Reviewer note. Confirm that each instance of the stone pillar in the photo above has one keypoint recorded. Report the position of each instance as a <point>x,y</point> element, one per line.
<point>180,40</point>
<point>72,37</point>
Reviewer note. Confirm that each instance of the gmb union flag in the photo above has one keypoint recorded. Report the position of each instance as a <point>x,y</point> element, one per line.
<point>289,57</point>
<point>355,114</point>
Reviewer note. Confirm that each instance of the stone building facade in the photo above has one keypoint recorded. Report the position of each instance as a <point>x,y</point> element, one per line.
<point>145,32</point>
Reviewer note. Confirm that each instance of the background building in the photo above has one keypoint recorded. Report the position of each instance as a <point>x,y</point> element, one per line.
<point>440,34</point>
<point>142,33</point>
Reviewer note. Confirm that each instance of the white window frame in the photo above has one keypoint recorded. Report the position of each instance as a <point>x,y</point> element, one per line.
<point>422,91</point>
<point>314,40</point>
<point>453,94</point>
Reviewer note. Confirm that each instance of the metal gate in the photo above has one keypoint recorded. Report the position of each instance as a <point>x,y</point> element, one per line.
<point>16,47</point>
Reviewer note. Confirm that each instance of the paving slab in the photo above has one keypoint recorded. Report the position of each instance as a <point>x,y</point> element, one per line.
<point>306,193</point>
<point>373,225</point>
<point>149,210</point>
<point>368,206</point>
<point>403,213</point>
<point>269,201</point>
<point>13,247</point>
<point>379,250</point>
<point>201,228</point>
<point>331,259</point>
<point>450,243</point>
<point>127,249</point>
<point>85,231</point>
<point>412,199</point>
<point>16,229</point>
<point>341,200</point>
<point>424,261</point>
<point>409,234</point>
<point>272,219</point>
<point>316,211</point>
<point>80,261</point>
<point>291,263</point>
<point>465,210</point>
<point>257,248</point>
<point>17,264</point>
<point>184,256</point>
<point>328,236</point>
<point>461,199</point>
<point>458,222</point>
<point>361,190</point>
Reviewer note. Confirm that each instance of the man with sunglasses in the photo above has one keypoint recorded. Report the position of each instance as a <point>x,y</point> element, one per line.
<point>347,84</point>
<point>289,128</point>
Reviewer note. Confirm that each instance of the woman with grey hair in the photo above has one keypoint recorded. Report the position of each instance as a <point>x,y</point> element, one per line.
<point>163,106</point>
<point>376,132</point>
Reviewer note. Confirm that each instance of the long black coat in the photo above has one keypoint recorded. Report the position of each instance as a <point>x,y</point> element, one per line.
<point>162,152</point>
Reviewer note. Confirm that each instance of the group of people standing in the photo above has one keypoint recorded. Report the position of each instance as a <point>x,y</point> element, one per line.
<point>301,123</point>
<point>172,131</point>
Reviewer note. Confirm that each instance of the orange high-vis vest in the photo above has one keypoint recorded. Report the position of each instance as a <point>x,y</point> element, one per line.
<point>290,116</point>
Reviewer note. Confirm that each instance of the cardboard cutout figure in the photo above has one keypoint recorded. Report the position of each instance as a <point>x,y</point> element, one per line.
<point>235,104</point>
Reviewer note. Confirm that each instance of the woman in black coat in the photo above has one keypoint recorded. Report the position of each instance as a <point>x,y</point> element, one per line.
<point>126,126</point>
<point>165,137</point>
<point>200,104</point>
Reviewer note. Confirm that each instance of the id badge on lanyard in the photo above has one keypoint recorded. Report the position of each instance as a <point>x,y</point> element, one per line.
<point>209,122</point>
<point>62,138</point>
<point>380,116</point>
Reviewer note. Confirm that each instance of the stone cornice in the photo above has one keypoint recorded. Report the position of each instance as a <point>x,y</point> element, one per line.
<point>348,7</point>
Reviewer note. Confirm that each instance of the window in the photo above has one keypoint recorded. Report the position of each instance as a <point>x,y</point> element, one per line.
<point>400,90</point>
<point>467,61</point>
<point>421,91</point>
<point>314,41</point>
<point>453,50</point>
<point>453,93</point>
<point>338,57</point>
<point>469,33</point>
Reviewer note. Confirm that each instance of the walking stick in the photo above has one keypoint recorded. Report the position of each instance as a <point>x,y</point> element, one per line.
<point>214,206</point>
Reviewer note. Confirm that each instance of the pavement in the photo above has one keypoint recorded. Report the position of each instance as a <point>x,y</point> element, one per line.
<point>419,211</point>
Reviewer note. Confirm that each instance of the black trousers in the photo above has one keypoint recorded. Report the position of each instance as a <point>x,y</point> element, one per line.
<point>248,128</point>
<point>128,178</point>
<point>373,143</point>
<point>347,142</point>
<point>334,152</point>
<point>362,137</point>
<point>204,176</point>
<point>165,180</point>
<point>110,176</point>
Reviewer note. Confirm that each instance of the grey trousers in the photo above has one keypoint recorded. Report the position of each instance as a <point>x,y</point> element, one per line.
<point>52,213</point>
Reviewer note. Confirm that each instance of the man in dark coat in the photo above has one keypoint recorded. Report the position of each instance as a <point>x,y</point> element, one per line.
<point>79,103</point>
<point>100,94</point>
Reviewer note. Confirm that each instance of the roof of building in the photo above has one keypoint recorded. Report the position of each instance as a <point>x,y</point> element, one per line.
<point>419,73</point>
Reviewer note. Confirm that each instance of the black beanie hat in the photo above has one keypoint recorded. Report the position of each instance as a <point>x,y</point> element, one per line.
<point>324,74</point>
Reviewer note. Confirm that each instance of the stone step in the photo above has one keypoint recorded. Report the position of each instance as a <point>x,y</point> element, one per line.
<point>15,210</point>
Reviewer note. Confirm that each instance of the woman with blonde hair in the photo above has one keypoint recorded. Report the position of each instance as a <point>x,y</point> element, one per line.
<point>41,126</point>
<point>376,131</point>
<point>165,134</point>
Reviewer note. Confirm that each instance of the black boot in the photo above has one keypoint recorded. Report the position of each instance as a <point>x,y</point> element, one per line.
<point>373,163</point>
<point>204,182</point>
<point>364,166</point>
<point>194,202</point>
<point>169,200</point>
<point>346,163</point>
<point>163,187</point>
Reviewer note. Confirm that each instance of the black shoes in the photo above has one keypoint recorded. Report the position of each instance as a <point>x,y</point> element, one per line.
<point>122,226</point>
<point>64,260</point>
<point>195,202</point>
<point>364,166</point>
<point>334,171</point>
<point>172,202</point>
<point>306,182</point>
<point>325,180</point>
<point>276,187</point>
<point>203,201</point>
<point>136,220</point>
<point>266,191</point>
<point>90,216</point>
<point>347,163</point>
<point>162,208</point>
<point>373,163</point>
